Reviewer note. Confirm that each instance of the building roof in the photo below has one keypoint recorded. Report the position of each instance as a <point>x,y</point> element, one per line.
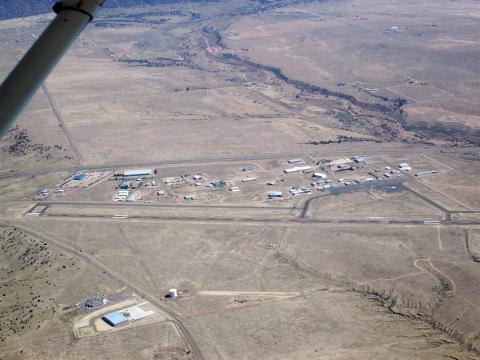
<point>359,159</point>
<point>80,176</point>
<point>297,169</point>
<point>219,183</point>
<point>115,318</point>
<point>136,312</point>
<point>275,194</point>
<point>138,172</point>
<point>94,302</point>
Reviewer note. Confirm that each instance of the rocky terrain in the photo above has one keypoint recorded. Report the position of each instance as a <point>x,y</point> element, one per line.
<point>29,269</point>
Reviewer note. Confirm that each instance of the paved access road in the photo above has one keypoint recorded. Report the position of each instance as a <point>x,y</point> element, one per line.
<point>213,160</point>
<point>169,313</point>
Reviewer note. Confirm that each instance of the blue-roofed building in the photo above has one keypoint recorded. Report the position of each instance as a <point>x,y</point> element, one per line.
<point>80,176</point>
<point>115,319</point>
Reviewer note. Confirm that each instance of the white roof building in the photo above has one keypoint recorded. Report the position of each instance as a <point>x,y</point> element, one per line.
<point>404,167</point>
<point>138,172</point>
<point>273,194</point>
<point>297,169</point>
<point>320,175</point>
<point>342,161</point>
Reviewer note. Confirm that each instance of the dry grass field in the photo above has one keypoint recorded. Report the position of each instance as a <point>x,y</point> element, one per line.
<point>395,49</point>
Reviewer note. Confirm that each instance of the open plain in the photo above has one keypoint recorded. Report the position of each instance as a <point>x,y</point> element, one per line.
<point>247,179</point>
